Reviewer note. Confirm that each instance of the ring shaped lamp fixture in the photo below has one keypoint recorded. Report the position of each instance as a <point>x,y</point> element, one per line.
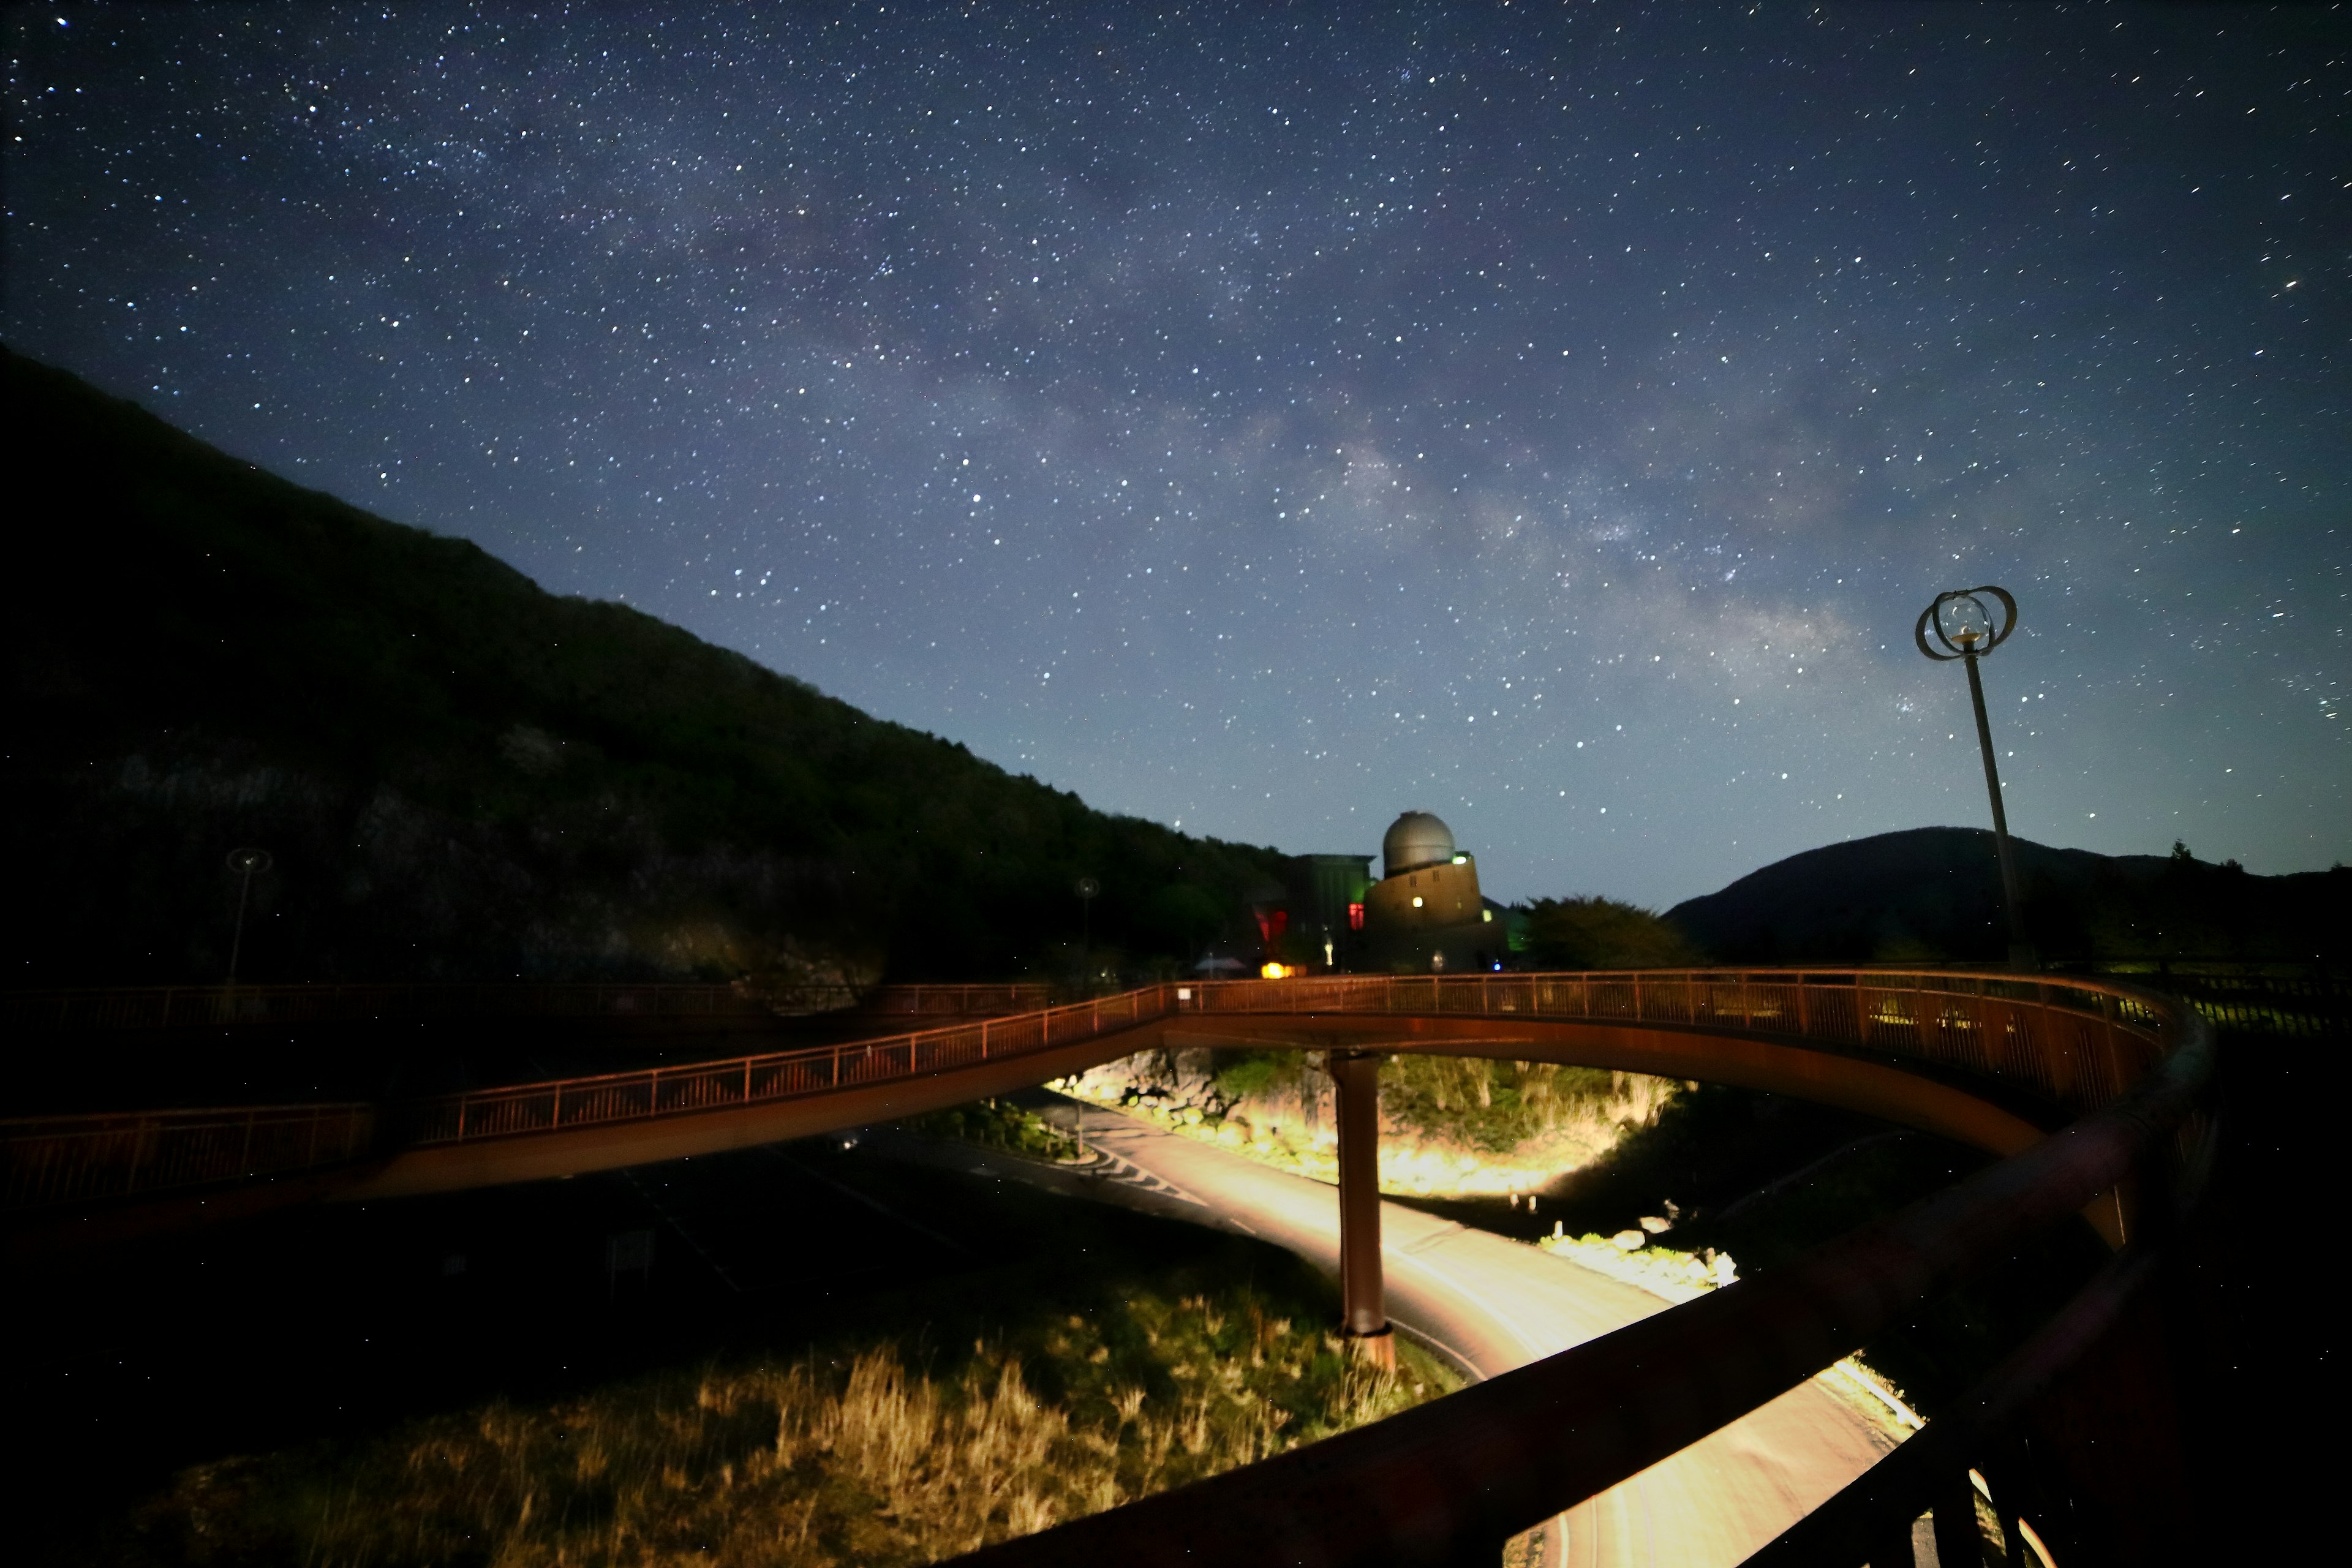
<point>1962,624</point>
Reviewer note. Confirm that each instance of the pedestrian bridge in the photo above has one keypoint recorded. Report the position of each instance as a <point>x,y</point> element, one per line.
<point>2088,1091</point>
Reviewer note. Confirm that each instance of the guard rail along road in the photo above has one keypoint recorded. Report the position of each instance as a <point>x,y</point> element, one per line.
<point>2090,1091</point>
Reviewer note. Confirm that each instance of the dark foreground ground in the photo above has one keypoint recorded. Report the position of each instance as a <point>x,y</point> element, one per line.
<point>340,1322</point>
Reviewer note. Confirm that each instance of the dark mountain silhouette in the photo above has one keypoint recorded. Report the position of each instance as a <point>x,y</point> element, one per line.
<point>1934,893</point>
<point>460,774</point>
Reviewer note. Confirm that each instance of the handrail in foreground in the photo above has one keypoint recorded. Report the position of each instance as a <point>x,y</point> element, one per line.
<point>1452,1480</point>
<point>1870,1518</point>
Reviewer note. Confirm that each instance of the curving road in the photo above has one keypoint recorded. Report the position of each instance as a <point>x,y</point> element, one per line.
<point>1499,1304</point>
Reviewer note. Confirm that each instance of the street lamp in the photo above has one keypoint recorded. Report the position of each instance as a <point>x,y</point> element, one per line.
<point>247,863</point>
<point>1087,889</point>
<point>1964,627</point>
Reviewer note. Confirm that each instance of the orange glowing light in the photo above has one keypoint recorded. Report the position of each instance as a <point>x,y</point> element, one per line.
<point>1275,972</point>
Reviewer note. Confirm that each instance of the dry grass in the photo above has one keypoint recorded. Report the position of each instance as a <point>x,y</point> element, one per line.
<point>861,1457</point>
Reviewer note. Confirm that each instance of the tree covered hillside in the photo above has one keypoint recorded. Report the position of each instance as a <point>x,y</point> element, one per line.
<point>461,775</point>
<point>1933,894</point>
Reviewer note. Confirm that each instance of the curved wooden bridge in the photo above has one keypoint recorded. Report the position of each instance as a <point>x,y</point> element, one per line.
<point>2088,1091</point>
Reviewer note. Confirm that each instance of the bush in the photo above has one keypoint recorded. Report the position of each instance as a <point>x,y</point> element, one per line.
<point>1604,933</point>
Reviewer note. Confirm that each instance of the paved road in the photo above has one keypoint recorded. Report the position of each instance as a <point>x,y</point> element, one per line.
<point>1499,1304</point>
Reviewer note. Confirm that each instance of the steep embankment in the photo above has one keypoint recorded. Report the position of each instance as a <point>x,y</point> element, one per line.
<point>460,774</point>
<point>1934,894</point>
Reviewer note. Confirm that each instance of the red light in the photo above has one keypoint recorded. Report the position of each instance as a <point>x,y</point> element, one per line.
<point>1355,917</point>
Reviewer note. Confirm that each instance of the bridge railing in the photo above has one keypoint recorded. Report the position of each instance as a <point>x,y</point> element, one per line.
<point>2073,1042</point>
<point>141,1007</point>
<point>2076,1043</point>
<point>71,1159</point>
<point>969,1001</point>
<point>133,1008</point>
<point>83,1159</point>
<point>770,1076</point>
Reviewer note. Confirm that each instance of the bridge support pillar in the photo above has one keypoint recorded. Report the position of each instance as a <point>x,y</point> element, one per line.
<point>1364,1314</point>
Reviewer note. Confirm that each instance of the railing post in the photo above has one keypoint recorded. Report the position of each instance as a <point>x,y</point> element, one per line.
<point>1355,1076</point>
<point>1955,1508</point>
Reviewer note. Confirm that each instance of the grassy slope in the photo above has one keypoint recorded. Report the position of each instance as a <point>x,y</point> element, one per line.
<point>857,1452</point>
<point>325,1389</point>
<point>462,774</point>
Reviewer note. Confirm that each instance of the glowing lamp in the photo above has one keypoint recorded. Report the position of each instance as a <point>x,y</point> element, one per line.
<point>1274,972</point>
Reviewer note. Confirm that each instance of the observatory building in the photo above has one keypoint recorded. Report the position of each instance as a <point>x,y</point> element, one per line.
<point>1427,914</point>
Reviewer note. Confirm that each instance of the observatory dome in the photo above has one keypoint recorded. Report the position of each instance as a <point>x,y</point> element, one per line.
<point>1413,840</point>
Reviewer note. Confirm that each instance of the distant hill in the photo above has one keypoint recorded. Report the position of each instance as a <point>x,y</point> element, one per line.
<point>460,774</point>
<point>1934,893</point>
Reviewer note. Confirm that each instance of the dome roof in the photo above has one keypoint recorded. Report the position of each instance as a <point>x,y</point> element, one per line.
<point>1413,840</point>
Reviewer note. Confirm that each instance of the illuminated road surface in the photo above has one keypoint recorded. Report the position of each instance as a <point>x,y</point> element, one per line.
<point>1500,1304</point>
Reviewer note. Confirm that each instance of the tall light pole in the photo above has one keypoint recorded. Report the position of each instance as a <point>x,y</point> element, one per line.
<point>247,863</point>
<point>1087,889</point>
<point>1964,627</point>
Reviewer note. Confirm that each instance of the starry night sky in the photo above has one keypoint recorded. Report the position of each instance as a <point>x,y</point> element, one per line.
<point>1554,417</point>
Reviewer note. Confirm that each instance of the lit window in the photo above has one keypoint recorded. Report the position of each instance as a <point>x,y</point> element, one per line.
<point>1355,917</point>
<point>1416,902</point>
<point>1486,915</point>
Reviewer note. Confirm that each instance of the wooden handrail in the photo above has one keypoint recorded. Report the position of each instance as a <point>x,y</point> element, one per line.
<point>1450,1481</point>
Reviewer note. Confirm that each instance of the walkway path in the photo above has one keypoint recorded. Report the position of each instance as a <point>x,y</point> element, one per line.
<point>1499,1304</point>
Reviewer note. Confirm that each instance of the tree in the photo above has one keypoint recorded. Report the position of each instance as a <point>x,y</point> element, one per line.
<point>1604,933</point>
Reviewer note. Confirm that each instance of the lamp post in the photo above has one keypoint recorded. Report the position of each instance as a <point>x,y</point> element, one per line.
<point>1964,627</point>
<point>1087,889</point>
<point>247,863</point>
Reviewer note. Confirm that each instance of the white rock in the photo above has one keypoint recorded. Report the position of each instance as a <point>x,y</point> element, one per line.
<point>1628,1240</point>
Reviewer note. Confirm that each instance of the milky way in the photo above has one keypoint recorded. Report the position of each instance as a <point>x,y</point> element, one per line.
<point>1267,422</point>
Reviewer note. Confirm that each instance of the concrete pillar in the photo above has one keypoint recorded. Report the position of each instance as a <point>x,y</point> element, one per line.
<point>1364,1318</point>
